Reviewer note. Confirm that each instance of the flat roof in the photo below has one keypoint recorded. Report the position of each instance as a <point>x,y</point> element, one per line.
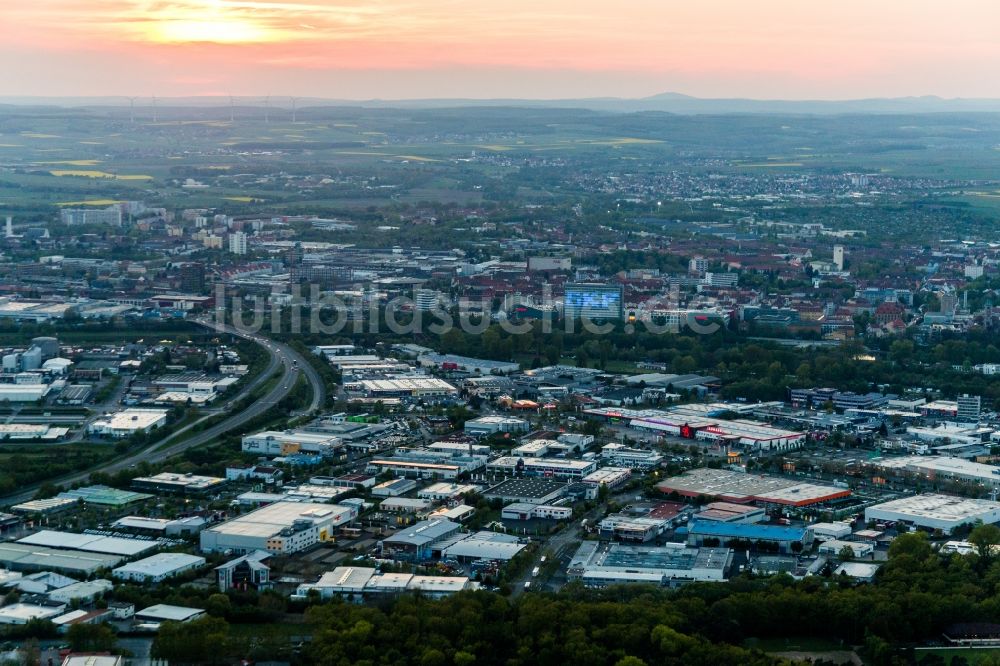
<point>746,531</point>
<point>104,495</point>
<point>271,519</point>
<point>161,564</point>
<point>90,543</point>
<point>742,488</point>
<point>938,507</point>
<point>536,488</point>
<point>486,546</point>
<point>186,481</point>
<point>25,556</point>
<point>166,612</point>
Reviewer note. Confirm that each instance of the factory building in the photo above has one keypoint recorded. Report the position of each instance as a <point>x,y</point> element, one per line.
<point>780,537</point>
<point>598,564</point>
<point>935,512</point>
<point>128,422</point>
<point>158,568</point>
<point>280,528</point>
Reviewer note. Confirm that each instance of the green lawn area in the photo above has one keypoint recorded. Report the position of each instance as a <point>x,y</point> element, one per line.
<point>971,655</point>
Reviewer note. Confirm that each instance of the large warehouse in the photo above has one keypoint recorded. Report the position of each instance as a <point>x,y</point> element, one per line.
<point>936,512</point>
<point>598,565</point>
<point>943,467</point>
<point>742,488</point>
<point>128,422</point>
<point>281,528</point>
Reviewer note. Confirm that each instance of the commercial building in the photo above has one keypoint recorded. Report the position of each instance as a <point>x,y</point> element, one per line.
<point>90,543</point>
<point>623,456</point>
<point>103,496</point>
<point>491,425</point>
<point>598,564</point>
<point>246,572</point>
<point>611,477</point>
<point>859,549</point>
<point>403,387</point>
<point>636,529</point>
<point>288,442</point>
<point>420,469</point>
<point>24,612</point>
<point>128,422</point>
<point>25,557</point>
<point>465,364</point>
<point>394,487</point>
<point>830,531</point>
<point>161,613</point>
<point>417,541</point>
<point>593,301</point>
<point>969,407</point>
<point>780,537</point>
<point>179,484</point>
<point>484,545</point>
<point>942,467</point>
<point>525,511</point>
<point>742,488</point>
<point>358,583</point>
<point>935,512</point>
<point>440,492</point>
<point>527,491</point>
<point>280,528</point>
<point>728,512</point>
<point>158,568</point>
<point>23,392</point>
<point>557,468</point>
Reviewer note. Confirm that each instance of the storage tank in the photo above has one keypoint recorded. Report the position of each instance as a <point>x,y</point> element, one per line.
<point>49,346</point>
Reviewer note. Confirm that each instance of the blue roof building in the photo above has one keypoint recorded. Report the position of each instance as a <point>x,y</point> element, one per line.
<point>720,533</point>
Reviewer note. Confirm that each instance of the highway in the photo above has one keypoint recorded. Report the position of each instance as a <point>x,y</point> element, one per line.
<point>282,357</point>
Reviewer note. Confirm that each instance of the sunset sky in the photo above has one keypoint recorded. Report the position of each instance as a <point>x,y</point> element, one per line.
<point>361,49</point>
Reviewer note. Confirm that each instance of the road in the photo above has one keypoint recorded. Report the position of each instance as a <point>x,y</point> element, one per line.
<point>282,357</point>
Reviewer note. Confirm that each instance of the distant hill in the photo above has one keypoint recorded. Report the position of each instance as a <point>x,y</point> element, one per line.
<point>668,102</point>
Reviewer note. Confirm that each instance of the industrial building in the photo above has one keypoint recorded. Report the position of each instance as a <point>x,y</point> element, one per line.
<point>942,467</point>
<point>280,528</point>
<point>484,545</point>
<point>611,477</point>
<point>493,424</point>
<point>935,512</point>
<point>525,511</point>
<point>417,541</point>
<point>128,422</point>
<point>527,491</point>
<point>420,469</point>
<point>780,537</point>
<point>103,496</point>
<point>598,564</point>
<point>441,492</point>
<point>727,512</point>
<point>358,583</point>
<point>859,549</point>
<point>556,468</point>
<point>287,442</point>
<point>90,543</point>
<point>620,455</point>
<point>25,557</point>
<point>742,488</point>
<point>157,568</point>
<point>403,387</point>
<point>179,484</point>
<point>159,613</point>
